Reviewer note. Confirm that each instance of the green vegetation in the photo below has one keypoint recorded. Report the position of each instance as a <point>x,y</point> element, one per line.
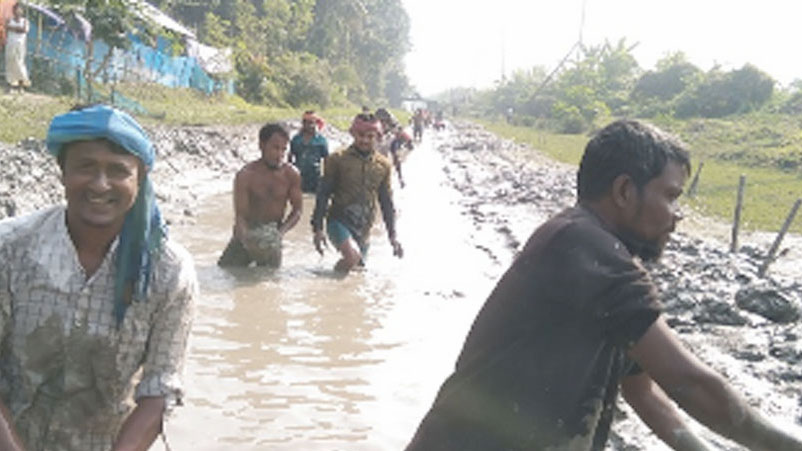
<point>29,115</point>
<point>286,53</point>
<point>738,121</point>
<point>336,55</point>
<point>770,191</point>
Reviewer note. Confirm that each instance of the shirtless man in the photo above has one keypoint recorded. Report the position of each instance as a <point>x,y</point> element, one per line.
<point>262,189</point>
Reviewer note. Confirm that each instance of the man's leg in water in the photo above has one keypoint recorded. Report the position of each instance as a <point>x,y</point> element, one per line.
<point>271,259</point>
<point>397,164</point>
<point>350,250</point>
<point>234,255</point>
<point>350,256</point>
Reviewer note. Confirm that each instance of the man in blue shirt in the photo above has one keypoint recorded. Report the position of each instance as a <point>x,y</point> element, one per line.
<point>307,149</point>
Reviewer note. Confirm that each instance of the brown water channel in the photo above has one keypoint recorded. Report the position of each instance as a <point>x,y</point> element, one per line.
<point>297,359</point>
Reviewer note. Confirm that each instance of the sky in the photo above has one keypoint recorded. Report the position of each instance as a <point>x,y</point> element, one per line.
<point>467,43</point>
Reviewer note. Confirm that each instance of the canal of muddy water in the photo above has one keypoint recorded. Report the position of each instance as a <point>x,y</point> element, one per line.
<point>298,358</point>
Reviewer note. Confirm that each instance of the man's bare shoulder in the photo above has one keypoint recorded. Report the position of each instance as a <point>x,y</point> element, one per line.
<point>253,167</point>
<point>291,172</point>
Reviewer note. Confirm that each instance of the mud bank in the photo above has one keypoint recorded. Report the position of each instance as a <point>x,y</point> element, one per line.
<point>743,325</point>
<point>192,162</point>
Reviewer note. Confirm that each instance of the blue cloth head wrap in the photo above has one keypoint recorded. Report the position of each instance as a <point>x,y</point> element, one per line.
<point>143,230</point>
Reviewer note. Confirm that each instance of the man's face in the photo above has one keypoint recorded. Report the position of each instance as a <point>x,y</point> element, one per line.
<point>308,126</point>
<point>274,150</point>
<point>366,140</point>
<point>657,211</point>
<point>100,185</point>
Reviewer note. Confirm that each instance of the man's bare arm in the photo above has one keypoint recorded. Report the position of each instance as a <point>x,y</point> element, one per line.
<point>241,204</point>
<point>141,428</point>
<point>655,408</point>
<point>9,439</point>
<point>704,394</point>
<point>296,202</point>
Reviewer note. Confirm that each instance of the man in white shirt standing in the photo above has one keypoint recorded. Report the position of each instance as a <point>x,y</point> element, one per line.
<point>95,300</point>
<point>16,32</point>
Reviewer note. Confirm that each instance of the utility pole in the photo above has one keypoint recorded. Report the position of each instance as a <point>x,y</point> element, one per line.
<point>503,56</point>
<point>579,42</point>
<point>582,21</point>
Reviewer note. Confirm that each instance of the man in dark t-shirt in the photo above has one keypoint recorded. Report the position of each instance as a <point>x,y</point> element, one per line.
<point>576,317</point>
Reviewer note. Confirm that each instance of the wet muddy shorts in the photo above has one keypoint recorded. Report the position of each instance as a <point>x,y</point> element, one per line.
<point>338,233</point>
<point>265,243</point>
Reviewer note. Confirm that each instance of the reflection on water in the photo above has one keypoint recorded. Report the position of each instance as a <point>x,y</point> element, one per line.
<point>297,358</point>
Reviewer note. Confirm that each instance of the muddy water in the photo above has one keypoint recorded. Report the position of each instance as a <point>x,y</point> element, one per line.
<point>299,359</point>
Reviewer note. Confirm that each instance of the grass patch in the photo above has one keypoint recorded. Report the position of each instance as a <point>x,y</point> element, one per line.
<point>561,147</point>
<point>768,194</point>
<point>770,191</point>
<point>28,115</point>
<point>756,139</point>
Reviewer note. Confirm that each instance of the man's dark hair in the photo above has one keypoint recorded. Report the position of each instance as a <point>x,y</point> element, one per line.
<point>626,147</point>
<point>270,129</point>
<point>367,117</point>
<point>83,106</point>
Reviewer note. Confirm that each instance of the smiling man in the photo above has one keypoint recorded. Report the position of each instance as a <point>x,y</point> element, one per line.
<point>576,319</point>
<point>95,300</point>
<point>354,179</point>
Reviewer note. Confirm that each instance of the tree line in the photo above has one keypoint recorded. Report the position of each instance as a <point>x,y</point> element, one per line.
<point>605,80</point>
<point>286,52</point>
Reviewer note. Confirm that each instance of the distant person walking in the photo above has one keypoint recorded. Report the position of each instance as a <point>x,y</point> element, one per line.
<point>262,190</point>
<point>418,121</point>
<point>400,139</point>
<point>308,148</point>
<point>16,35</point>
<point>354,179</point>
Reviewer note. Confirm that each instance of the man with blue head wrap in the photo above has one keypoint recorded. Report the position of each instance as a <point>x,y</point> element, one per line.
<point>95,300</point>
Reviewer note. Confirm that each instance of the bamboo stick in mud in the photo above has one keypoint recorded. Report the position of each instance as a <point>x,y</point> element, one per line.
<point>695,181</point>
<point>777,241</point>
<point>736,223</point>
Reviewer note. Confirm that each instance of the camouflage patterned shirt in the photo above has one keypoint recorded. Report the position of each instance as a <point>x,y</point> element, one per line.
<point>68,373</point>
<point>355,182</point>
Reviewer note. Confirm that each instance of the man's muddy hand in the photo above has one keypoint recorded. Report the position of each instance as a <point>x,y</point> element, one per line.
<point>320,241</point>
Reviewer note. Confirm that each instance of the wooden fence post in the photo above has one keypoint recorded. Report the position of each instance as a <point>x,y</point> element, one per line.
<point>78,85</point>
<point>695,181</point>
<point>776,245</point>
<point>736,223</point>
